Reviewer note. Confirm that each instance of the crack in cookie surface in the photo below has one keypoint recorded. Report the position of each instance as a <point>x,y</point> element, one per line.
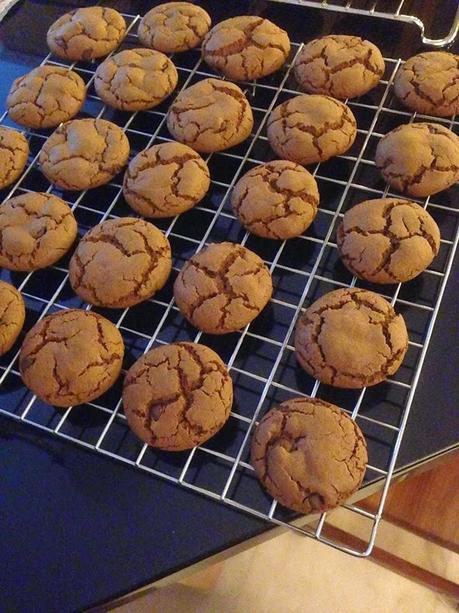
<point>14,151</point>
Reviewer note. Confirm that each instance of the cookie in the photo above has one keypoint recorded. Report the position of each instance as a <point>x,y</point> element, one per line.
<point>173,27</point>
<point>120,262</point>
<point>246,47</point>
<point>36,230</point>
<point>84,153</point>
<point>419,159</point>
<point>211,115</point>
<point>309,454</point>
<point>311,128</point>
<point>277,200</point>
<point>86,33</point>
<point>350,338</point>
<point>429,83</point>
<point>165,180</point>
<point>177,396</point>
<point>340,66</point>
<point>135,79</point>
<point>45,97</point>
<point>387,240</point>
<point>14,151</point>
<point>12,315</point>
<point>222,288</point>
<point>71,357</point>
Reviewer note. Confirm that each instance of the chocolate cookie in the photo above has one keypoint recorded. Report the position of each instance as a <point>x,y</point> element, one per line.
<point>351,338</point>
<point>277,200</point>
<point>14,151</point>
<point>36,230</point>
<point>12,315</point>
<point>71,357</point>
<point>311,128</point>
<point>309,454</point>
<point>84,153</point>
<point>387,240</point>
<point>177,396</point>
<point>211,115</point>
<point>165,180</point>
<point>223,288</point>
<point>419,159</point>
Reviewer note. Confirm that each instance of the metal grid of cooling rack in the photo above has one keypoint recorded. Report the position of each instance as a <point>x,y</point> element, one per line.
<point>261,357</point>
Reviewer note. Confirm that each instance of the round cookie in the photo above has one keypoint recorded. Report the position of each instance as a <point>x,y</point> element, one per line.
<point>276,200</point>
<point>246,47</point>
<point>311,128</point>
<point>120,262</point>
<point>71,357</point>
<point>419,159</point>
<point>387,240</point>
<point>211,115</point>
<point>36,230</point>
<point>12,315</point>
<point>86,33</point>
<point>177,396</point>
<point>317,446</point>
<point>165,180</point>
<point>84,153</point>
<point>14,151</point>
<point>223,288</point>
<point>173,27</point>
<point>350,338</point>
<point>429,83</point>
<point>45,97</point>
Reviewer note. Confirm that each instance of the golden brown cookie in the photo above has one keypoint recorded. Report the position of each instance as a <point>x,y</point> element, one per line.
<point>277,200</point>
<point>165,180</point>
<point>419,159</point>
<point>71,357</point>
<point>12,315</point>
<point>309,454</point>
<point>223,288</point>
<point>311,128</point>
<point>387,240</point>
<point>177,396</point>
<point>351,338</point>
<point>14,151</point>
<point>36,230</point>
<point>84,153</point>
<point>211,115</point>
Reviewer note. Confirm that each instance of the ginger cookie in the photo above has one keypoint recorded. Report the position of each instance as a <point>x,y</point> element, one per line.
<point>309,455</point>
<point>36,230</point>
<point>211,115</point>
<point>419,159</point>
<point>120,262</point>
<point>14,151</point>
<point>351,338</point>
<point>276,200</point>
<point>71,357</point>
<point>84,153</point>
<point>12,315</point>
<point>246,47</point>
<point>165,180</point>
<point>177,396</point>
<point>311,128</point>
<point>223,288</point>
<point>387,240</point>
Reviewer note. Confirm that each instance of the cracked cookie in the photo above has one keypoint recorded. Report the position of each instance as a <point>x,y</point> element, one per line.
<point>84,153</point>
<point>223,288</point>
<point>177,396</point>
<point>14,151</point>
<point>165,180</point>
<point>173,27</point>
<point>36,230</point>
<point>86,33</point>
<point>311,128</point>
<point>276,200</point>
<point>71,357</point>
<point>12,315</point>
<point>211,115</point>
<point>309,454</point>
<point>429,83</point>
<point>350,338</point>
<point>419,159</point>
<point>387,240</point>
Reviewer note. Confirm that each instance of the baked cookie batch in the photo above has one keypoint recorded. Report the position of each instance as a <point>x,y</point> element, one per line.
<point>306,452</point>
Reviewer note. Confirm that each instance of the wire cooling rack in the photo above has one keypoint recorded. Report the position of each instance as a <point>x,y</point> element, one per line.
<point>261,357</point>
